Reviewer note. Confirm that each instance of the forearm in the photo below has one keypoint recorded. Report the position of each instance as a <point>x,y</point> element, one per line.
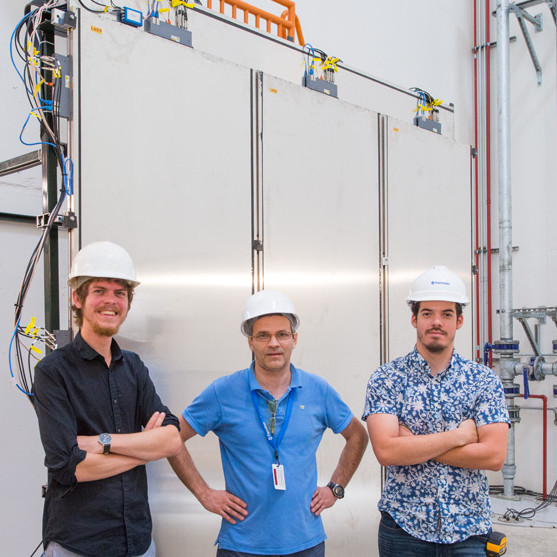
<point>488,454</point>
<point>473,456</point>
<point>100,466</point>
<point>351,456</point>
<point>148,445</point>
<point>185,469</point>
<point>416,449</point>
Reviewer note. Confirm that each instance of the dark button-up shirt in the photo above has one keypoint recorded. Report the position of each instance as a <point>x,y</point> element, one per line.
<point>77,394</point>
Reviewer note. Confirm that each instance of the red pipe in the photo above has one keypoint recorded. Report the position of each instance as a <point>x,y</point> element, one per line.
<point>478,48</point>
<point>476,175</point>
<point>488,173</point>
<point>544,399</point>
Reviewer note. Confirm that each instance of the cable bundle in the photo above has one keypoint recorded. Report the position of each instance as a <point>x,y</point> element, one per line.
<point>42,79</point>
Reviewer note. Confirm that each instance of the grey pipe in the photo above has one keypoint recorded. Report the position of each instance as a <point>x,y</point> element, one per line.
<point>505,221</point>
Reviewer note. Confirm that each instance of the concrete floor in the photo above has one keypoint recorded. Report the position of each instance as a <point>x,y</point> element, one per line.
<point>534,537</point>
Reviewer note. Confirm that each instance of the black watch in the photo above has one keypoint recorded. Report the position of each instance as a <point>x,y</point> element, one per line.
<point>105,439</point>
<point>337,489</point>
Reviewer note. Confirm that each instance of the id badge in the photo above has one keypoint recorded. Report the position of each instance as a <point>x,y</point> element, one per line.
<point>278,477</point>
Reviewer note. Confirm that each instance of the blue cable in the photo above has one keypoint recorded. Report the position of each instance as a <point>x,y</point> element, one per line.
<point>10,359</point>
<point>68,181</point>
<point>30,144</point>
<point>526,384</point>
<point>11,47</point>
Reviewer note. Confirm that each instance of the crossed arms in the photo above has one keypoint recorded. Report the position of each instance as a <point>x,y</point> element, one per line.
<point>127,450</point>
<point>468,446</point>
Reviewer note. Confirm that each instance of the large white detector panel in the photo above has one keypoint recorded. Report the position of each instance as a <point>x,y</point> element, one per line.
<point>165,171</point>
<point>428,223</point>
<point>321,248</point>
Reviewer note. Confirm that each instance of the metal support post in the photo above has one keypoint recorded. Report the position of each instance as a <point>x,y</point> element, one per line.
<point>50,198</point>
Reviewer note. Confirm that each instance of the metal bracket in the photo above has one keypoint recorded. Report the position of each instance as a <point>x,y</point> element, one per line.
<point>67,220</point>
<point>537,22</point>
<point>23,162</point>
<point>540,314</point>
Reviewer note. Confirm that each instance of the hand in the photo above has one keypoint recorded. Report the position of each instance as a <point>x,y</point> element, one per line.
<point>322,499</point>
<point>224,504</point>
<point>404,431</point>
<point>155,421</point>
<point>468,431</point>
<point>89,443</point>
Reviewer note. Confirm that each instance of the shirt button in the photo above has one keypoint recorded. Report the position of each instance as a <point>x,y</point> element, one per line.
<point>115,401</point>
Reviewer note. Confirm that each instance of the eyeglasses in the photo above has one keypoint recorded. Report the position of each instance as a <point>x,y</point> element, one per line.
<point>271,422</point>
<point>281,336</point>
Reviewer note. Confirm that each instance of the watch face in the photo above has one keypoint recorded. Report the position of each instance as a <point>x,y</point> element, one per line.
<point>105,439</point>
<point>338,490</point>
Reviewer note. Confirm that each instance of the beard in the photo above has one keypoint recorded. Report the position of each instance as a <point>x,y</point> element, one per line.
<point>105,331</point>
<point>434,346</point>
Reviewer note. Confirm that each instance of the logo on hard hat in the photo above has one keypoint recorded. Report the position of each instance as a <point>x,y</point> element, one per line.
<point>440,282</point>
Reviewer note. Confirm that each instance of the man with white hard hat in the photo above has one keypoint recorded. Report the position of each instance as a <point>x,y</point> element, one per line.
<point>269,419</point>
<point>100,420</point>
<point>436,420</point>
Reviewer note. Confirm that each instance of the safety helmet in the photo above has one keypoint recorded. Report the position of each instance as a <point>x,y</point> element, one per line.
<point>267,302</point>
<point>102,260</point>
<point>438,283</point>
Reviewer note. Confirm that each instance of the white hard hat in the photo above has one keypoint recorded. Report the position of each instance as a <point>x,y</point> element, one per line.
<point>102,260</point>
<point>438,283</point>
<point>267,302</point>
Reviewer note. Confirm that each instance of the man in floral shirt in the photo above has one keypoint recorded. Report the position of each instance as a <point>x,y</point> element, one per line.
<point>436,420</point>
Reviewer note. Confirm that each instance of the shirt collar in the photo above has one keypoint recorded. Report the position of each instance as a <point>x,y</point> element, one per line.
<point>418,362</point>
<point>89,353</point>
<point>295,380</point>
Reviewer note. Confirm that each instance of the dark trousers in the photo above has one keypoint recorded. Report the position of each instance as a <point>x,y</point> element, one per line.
<point>395,542</point>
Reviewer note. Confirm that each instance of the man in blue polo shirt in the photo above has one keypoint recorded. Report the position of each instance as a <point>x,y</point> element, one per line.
<point>436,420</point>
<point>269,419</point>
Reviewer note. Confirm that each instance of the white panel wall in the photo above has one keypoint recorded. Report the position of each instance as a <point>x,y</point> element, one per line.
<point>321,247</point>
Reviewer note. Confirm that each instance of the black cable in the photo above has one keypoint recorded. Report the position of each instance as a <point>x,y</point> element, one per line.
<point>41,543</point>
<point>530,512</point>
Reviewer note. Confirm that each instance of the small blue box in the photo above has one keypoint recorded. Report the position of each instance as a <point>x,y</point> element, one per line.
<point>132,17</point>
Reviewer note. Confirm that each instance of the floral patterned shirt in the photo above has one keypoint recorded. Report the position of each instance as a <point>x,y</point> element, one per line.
<point>432,501</point>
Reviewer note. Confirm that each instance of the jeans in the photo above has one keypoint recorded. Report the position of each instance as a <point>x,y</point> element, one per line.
<point>394,542</point>
<point>316,551</point>
<point>56,550</point>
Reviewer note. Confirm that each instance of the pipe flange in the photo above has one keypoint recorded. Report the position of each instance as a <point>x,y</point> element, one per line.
<point>511,390</point>
<point>514,414</point>
<point>505,347</point>
<point>537,369</point>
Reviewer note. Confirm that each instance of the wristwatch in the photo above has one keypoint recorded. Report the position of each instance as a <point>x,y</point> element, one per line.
<point>105,439</point>
<point>337,489</point>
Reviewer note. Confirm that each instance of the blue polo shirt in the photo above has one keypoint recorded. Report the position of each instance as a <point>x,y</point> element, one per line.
<point>279,522</point>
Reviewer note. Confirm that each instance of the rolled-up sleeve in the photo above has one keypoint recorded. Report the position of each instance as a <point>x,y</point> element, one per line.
<point>57,426</point>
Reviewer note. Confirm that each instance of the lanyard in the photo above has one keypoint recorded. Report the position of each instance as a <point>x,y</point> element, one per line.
<point>275,443</point>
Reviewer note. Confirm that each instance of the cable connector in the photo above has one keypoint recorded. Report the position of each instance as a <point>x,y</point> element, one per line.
<point>67,220</point>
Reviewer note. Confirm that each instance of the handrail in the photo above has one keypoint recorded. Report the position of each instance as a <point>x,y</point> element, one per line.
<point>288,24</point>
